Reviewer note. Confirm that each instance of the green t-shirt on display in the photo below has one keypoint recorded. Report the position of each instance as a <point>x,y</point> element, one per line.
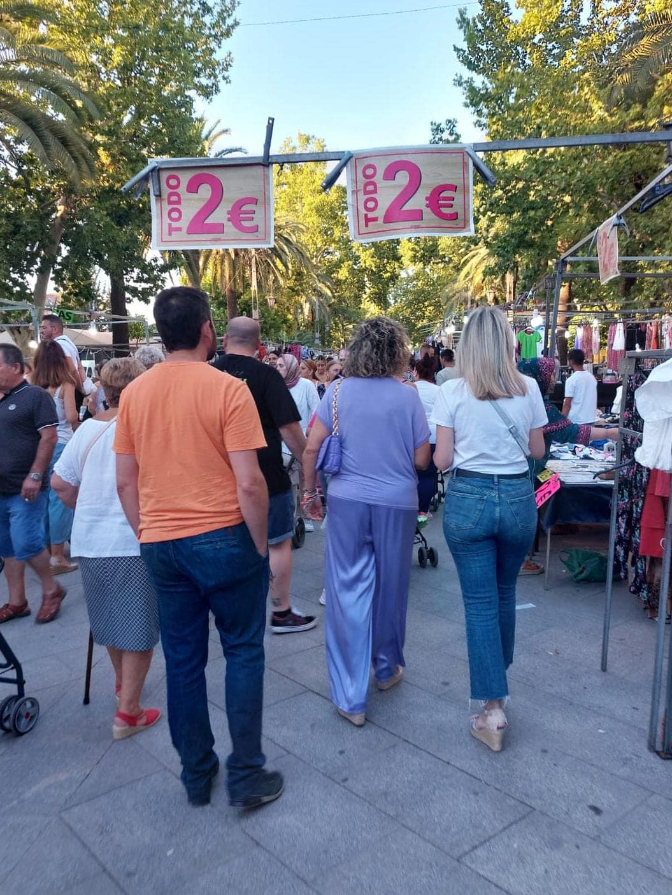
<point>528,343</point>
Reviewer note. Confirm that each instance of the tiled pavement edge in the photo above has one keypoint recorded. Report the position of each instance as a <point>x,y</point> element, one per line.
<point>408,804</point>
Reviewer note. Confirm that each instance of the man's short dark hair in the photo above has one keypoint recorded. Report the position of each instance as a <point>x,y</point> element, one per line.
<point>179,314</point>
<point>54,319</point>
<point>12,355</point>
<point>576,356</point>
<point>448,355</point>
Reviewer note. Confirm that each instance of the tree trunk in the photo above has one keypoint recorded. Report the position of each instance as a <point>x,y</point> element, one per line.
<point>49,253</point>
<point>120,335</point>
<point>231,303</point>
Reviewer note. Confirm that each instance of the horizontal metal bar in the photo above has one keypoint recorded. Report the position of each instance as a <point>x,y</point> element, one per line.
<point>576,258</point>
<point>337,155</point>
<point>575,275</point>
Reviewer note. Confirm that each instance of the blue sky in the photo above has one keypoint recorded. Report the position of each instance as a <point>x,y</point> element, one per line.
<point>357,83</point>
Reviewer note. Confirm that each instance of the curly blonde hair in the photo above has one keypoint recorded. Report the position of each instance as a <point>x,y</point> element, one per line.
<point>116,375</point>
<point>379,348</point>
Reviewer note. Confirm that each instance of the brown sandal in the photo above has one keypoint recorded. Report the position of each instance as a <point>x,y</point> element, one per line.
<point>9,611</point>
<point>51,605</point>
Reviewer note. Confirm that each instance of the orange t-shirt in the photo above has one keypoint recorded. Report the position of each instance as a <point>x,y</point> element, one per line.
<point>181,421</point>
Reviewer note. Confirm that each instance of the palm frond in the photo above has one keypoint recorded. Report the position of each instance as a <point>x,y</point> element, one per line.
<point>645,55</point>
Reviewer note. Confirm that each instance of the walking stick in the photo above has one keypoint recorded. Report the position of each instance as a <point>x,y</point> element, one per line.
<point>89,663</point>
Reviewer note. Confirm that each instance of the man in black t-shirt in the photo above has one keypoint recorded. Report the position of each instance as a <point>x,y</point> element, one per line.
<point>28,423</point>
<point>281,421</point>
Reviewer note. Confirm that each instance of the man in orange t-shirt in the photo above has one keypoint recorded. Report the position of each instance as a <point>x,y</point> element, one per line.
<point>190,484</point>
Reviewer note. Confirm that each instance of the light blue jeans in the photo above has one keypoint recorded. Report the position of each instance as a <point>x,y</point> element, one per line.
<point>489,526</point>
<point>59,517</point>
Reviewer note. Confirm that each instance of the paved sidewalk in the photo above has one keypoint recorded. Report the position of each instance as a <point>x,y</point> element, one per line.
<point>409,804</point>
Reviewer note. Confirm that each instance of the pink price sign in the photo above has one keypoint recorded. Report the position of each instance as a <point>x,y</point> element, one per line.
<point>547,490</point>
<point>421,191</point>
<point>213,207</point>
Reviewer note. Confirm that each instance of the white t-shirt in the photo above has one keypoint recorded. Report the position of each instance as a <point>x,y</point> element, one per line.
<point>307,401</point>
<point>581,387</point>
<point>100,527</point>
<point>69,349</point>
<point>482,441</point>
<point>428,393</point>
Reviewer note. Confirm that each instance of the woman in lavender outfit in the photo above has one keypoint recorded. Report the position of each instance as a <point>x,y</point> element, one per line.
<point>373,504</point>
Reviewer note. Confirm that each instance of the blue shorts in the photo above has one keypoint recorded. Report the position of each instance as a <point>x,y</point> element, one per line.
<point>281,509</point>
<point>23,526</point>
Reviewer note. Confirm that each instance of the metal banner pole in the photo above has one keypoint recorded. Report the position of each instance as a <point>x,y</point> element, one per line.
<point>660,648</point>
<point>559,271</point>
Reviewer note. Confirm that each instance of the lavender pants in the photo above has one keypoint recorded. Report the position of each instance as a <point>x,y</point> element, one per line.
<point>368,566</point>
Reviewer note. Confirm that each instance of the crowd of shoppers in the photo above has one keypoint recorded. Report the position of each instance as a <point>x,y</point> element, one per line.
<point>178,505</point>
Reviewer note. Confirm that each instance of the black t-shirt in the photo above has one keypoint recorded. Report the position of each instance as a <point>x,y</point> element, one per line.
<point>23,412</point>
<point>276,408</point>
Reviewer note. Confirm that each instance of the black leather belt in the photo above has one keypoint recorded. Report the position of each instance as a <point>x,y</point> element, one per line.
<point>468,474</point>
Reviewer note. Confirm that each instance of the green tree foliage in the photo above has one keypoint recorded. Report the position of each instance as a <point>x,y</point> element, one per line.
<point>42,103</point>
<point>539,72</point>
<point>644,56</point>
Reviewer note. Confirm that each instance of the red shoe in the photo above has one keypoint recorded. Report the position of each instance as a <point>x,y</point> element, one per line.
<point>127,725</point>
<point>51,606</point>
<point>9,611</point>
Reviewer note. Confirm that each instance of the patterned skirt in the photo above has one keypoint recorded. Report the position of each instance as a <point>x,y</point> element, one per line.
<point>122,606</point>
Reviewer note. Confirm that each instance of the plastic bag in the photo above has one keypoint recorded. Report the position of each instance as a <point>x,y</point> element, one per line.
<point>584,565</point>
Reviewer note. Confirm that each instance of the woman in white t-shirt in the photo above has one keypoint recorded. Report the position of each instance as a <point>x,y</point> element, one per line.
<point>428,391</point>
<point>490,512</point>
<point>121,602</point>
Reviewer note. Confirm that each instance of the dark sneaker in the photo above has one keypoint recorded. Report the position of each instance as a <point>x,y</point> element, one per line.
<point>266,787</point>
<point>292,623</point>
<point>201,797</point>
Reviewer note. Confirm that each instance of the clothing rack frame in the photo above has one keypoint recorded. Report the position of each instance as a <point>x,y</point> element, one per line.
<point>660,736</point>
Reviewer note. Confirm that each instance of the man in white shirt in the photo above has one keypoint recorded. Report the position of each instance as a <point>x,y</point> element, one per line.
<point>580,403</point>
<point>448,369</point>
<point>52,328</point>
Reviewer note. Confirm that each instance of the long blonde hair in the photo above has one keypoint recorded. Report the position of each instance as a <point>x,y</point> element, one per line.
<point>485,357</point>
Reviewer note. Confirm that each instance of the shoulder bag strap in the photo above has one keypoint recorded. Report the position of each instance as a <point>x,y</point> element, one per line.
<point>334,408</point>
<point>93,441</point>
<point>511,426</point>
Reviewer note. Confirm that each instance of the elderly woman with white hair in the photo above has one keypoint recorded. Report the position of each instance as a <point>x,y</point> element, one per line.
<point>149,356</point>
<point>373,505</point>
<point>487,424</point>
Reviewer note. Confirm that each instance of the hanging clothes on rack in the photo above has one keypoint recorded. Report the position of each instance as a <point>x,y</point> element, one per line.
<point>595,339</point>
<point>615,345</point>
<point>653,533</point>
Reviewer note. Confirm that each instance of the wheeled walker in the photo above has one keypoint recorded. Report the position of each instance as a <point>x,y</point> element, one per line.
<point>425,552</point>
<point>18,714</point>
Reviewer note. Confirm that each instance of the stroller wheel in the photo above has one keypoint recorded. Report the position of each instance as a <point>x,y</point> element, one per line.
<point>422,557</point>
<point>25,715</point>
<point>433,557</point>
<point>299,535</point>
<point>6,710</point>
<point>434,503</point>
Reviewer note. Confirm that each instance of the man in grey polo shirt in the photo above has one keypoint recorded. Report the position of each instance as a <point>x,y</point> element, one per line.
<point>28,423</point>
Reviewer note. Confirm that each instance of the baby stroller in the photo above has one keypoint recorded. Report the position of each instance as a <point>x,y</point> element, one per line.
<point>18,714</point>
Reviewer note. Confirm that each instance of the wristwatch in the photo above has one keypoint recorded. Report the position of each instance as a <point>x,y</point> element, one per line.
<point>35,476</point>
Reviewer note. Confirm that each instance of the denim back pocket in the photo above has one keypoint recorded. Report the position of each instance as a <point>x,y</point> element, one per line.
<point>524,511</point>
<point>463,509</point>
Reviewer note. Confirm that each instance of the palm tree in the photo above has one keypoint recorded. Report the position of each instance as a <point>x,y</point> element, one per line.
<point>41,104</point>
<point>645,55</point>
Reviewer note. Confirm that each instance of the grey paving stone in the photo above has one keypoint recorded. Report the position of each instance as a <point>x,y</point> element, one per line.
<point>316,824</point>
<point>150,840</point>
<point>404,863</point>
<point>559,676</point>
<point>255,872</point>
<point>536,774</point>
<point>439,672</point>
<point>309,726</point>
<point>100,884</point>
<point>539,854</point>
<point>447,807</point>
<point>124,762</point>
<point>308,668</point>
<point>276,686</point>
<point>17,838</point>
<point>426,631</point>
<point>277,645</point>
<point>638,834</point>
<point>55,862</point>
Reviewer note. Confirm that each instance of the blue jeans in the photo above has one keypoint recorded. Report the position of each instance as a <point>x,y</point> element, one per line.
<point>219,572</point>
<point>59,516</point>
<point>23,526</point>
<point>489,527</point>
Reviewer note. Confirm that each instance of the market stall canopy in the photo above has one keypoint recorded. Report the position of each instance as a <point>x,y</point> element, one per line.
<point>86,338</point>
<point>6,339</point>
